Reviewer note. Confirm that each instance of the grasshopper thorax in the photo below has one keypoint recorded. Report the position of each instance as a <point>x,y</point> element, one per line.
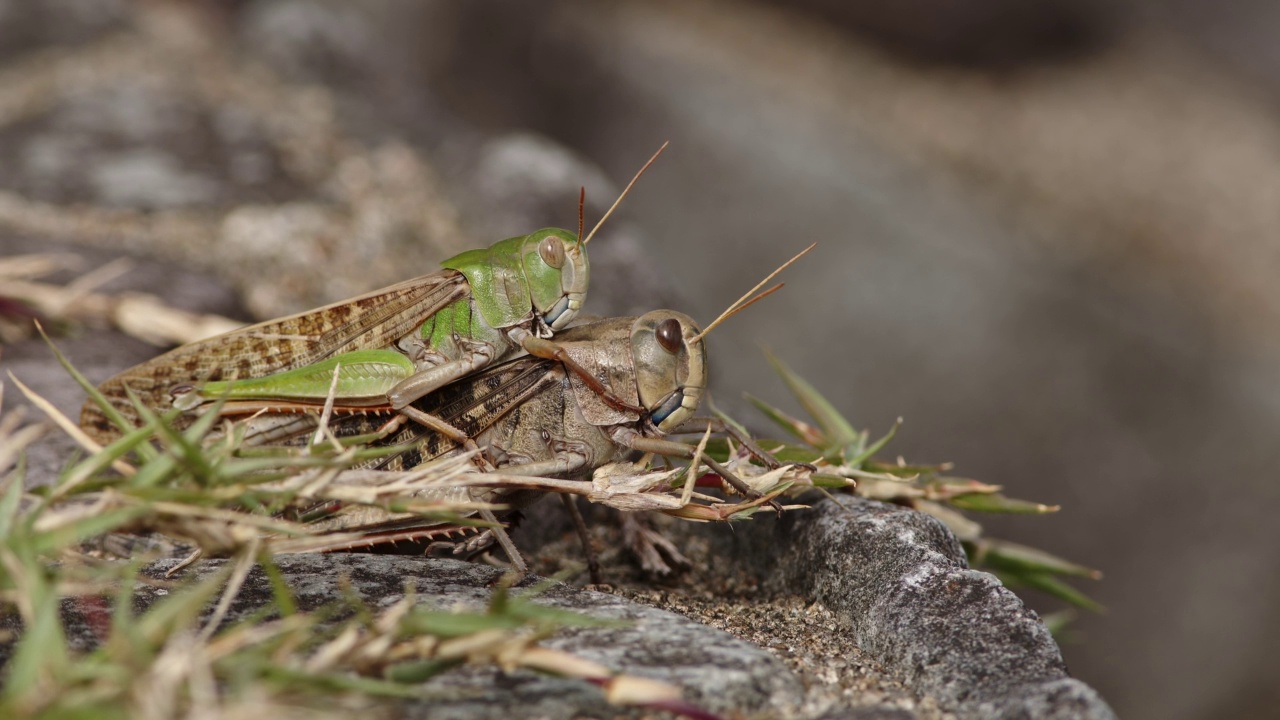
<point>544,273</point>
<point>671,367</point>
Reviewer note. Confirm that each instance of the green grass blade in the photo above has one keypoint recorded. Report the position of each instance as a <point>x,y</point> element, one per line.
<point>875,447</point>
<point>1010,556</point>
<point>155,472</point>
<point>98,398</point>
<point>1051,585</point>
<point>1059,624</point>
<point>724,417</point>
<point>839,433</point>
<point>79,473</point>
<point>279,588</point>
<point>997,503</point>
<point>41,656</point>
<point>10,504</point>
<point>51,541</point>
<point>801,430</point>
<point>122,625</point>
<point>181,608</point>
<point>180,445</point>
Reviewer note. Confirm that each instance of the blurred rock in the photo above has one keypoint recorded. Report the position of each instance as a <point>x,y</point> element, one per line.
<point>993,34</point>
<point>156,139</point>
<point>31,26</point>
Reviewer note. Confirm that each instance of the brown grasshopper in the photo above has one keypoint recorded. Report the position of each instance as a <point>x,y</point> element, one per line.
<point>533,417</point>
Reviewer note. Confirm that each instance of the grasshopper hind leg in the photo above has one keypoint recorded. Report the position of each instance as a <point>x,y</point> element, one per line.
<point>471,547</point>
<point>450,431</point>
<point>477,356</point>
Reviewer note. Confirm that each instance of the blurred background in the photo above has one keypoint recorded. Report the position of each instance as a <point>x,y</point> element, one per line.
<point>1047,229</point>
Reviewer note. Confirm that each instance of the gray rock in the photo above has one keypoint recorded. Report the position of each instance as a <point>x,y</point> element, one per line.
<point>27,26</point>
<point>718,671</point>
<point>900,584</point>
<point>131,141</point>
<point>901,579</point>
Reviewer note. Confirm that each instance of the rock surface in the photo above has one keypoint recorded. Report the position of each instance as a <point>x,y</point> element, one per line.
<point>719,672</point>
<point>902,581</point>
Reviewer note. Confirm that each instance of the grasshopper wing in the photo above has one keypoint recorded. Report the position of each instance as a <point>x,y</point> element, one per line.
<point>472,405</point>
<point>374,320</point>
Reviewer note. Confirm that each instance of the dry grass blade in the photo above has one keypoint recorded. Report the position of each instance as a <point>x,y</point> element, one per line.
<point>691,478</point>
<point>165,661</point>
<point>243,564</point>
<point>35,265</point>
<point>322,429</point>
<point>145,317</point>
<point>70,428</point>
<point>13,440</point>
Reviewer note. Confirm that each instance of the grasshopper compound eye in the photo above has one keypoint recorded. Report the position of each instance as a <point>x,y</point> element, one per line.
<point>551,250</point>
<point>669,335</point>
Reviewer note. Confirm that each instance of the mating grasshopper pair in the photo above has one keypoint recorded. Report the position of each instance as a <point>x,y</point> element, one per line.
<point>426,350</point>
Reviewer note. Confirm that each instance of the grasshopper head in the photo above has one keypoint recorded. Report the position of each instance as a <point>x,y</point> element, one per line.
<point>555,264</point>
<point>671,370</point>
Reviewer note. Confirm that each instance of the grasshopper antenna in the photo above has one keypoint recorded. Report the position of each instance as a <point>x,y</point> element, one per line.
<point>582,201</point>
<point>625,190</point>
<point>743,302</point>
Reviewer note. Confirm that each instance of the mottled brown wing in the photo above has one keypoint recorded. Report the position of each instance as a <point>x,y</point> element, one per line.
<point>375,320</point>
<point>472,405</point>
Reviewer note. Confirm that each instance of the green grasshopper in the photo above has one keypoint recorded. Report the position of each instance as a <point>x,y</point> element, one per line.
<point>382,350</point>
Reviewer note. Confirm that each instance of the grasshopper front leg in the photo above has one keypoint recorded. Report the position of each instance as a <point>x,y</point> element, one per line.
<point>550,350</point>
<point>475,355</point>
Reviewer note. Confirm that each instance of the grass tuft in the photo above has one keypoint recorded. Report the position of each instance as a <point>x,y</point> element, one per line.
<point>62,549</point>
<point>841,452</point>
